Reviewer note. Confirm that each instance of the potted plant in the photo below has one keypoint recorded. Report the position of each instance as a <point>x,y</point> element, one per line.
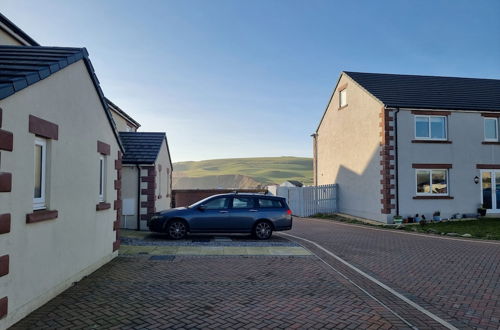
<point>417,218</point>
<point>436,216</point>
<point>398,219</point>
<point>481,210</point>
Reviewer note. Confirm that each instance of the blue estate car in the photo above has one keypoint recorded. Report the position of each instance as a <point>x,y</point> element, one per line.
<point>232,213</point>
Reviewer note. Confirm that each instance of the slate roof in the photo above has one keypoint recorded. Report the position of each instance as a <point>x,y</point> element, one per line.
<point>431,92</point>
<point>22,66</point>
<point>116,108</point>
<point>14,28</point>
<point>141,147</point>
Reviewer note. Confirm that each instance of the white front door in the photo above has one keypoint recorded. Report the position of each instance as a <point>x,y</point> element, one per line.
<point>490,190</point>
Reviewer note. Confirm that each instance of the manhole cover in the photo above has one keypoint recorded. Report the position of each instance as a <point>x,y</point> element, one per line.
<point>162,258</point>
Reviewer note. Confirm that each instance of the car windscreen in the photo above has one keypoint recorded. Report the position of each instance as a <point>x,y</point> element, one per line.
<point>198,203</point>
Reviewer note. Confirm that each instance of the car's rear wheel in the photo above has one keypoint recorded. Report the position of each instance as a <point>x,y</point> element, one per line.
<point>177,229</point>
<point>263,230</point>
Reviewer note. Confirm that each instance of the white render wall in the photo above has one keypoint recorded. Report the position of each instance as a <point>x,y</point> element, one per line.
<point>465,131</point>
<point>165,192</point>
<point>348,145</point>
<point>46,257</point>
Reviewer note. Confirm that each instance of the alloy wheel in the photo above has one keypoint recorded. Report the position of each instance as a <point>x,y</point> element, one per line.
<point>263,230</point>
<point>177,230</point>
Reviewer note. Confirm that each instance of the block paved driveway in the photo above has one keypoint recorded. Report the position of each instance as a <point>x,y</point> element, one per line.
<point>457,280</point>
<point>154,291</point>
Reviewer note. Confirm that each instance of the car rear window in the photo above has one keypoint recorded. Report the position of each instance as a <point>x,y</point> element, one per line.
<point>264,202</point>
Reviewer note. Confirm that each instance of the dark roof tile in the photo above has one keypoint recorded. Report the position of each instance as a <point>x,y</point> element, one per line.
<point>431,92</point>
<point>141,147</point>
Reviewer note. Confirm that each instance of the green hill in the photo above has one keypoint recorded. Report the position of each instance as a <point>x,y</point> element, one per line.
<point>242,172</point>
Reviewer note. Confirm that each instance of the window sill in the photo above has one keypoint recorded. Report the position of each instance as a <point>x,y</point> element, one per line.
<point>102,206</point>
<point>430,141</point>
<point>432,197</point>
<point>490,142</point>
<point>41,215</point>
<point>343,107</point>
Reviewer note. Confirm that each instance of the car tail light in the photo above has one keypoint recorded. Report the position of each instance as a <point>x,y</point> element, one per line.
<point>289,212</point>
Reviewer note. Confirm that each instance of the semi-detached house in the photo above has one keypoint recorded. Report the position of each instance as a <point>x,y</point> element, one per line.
<point>60,172</point>
<point>407,144</point>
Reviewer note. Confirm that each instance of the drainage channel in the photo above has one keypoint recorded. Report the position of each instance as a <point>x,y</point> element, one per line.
<point>414,315</point>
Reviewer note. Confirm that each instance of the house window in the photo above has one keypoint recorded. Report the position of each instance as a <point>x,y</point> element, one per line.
<point>343,98</point>
<point>102,178</point>
<point>490,129</point>
<point>40,165</point>
<point>430,127</point>
<point>432,182</point>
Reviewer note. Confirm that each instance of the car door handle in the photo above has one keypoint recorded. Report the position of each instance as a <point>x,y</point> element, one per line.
<point>222,211</point>
<point>252,210</point>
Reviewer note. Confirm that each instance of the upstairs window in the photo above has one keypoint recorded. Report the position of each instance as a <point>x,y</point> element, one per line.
<point>343,98</point>
<point>490,129</point>
<point>40,165</point>
<point>430,127</point>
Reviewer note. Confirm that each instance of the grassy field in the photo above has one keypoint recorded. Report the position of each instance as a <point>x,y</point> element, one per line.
<point>266,170</point>
<point>487,228</point>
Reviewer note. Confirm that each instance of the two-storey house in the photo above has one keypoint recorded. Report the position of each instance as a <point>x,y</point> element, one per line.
<point>406,144</point>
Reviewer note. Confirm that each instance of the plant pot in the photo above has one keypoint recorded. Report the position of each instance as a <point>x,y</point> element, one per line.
<point>482,212</point>
<point>398,220</point>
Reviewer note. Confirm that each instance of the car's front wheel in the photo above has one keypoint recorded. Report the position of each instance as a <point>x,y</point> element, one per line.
<point>177,229</point>
<point>263,230</point>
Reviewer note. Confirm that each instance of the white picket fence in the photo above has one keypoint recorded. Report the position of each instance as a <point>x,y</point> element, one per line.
<point>306,201</point>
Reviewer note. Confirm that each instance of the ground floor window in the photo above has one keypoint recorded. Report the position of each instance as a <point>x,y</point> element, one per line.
<point>102,178</point>
<point>40,165</point>
<point>432,182</point>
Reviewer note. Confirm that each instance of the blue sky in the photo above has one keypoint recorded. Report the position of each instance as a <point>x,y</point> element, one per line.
<point>239,78</point>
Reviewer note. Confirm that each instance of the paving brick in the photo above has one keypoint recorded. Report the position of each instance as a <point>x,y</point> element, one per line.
<point>211,292</point>
<point>458,280</point>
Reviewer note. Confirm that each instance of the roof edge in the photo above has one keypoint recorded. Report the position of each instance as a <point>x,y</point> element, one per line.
<point>16,32</point>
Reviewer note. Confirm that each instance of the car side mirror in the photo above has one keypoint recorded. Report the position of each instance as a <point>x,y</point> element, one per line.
<point>202,207</point>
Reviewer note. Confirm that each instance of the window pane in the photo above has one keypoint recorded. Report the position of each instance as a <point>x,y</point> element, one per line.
<point>101,170</point>
<point>218,203</point>
<point>438,128</point>
<point>422,127</point>
<point>38,171</point>
<point>242,203</point>
<point>269,203</point>
<point>439,182</point>
<point>486,181</point>
<point>490,129</point>
<point>423,182</point>
<point>343,98</point>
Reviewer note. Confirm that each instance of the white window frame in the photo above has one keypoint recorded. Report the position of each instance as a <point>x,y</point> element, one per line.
<point>430,132</point>
<point>447,172</point>
<point>484,128</point>
<point>40,203</point>
<point>102,178</point>
<point>344,91</point>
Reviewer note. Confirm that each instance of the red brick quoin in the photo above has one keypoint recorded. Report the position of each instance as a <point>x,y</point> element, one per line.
<point>149,192</point>
<point>387,161</point>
